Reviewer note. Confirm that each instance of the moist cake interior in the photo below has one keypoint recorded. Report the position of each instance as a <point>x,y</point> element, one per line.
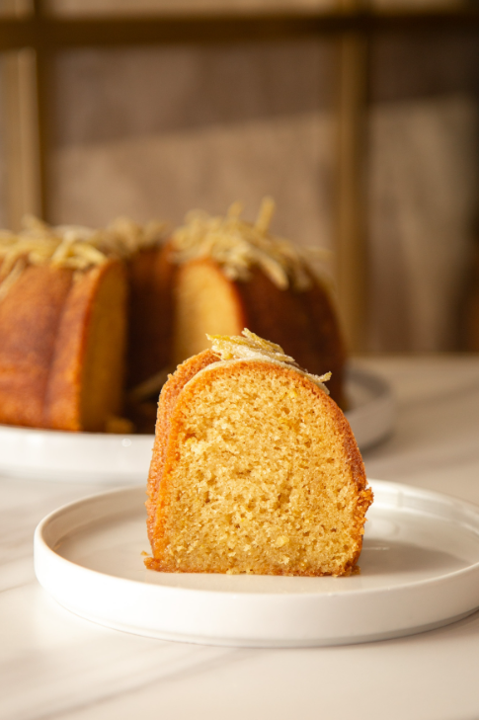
<point>260,481</point>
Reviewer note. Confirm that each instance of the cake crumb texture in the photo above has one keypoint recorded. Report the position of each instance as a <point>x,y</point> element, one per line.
<point>255,470</point>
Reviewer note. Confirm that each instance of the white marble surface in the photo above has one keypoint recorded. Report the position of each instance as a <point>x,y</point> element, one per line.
<point>55,665</point>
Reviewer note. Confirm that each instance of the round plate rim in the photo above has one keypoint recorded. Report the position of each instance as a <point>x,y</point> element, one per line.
<point>453,607</point>
<point>374,483</point>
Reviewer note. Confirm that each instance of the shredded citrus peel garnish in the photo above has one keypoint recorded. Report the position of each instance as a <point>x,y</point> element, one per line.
<point>237,246</point>
<point>249,346</point>
<point>71,246</point>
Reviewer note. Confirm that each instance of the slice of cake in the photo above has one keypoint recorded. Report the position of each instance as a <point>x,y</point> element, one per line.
<point>254,470</point>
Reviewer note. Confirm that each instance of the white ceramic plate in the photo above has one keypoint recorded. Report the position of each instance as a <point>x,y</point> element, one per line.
<point>125,459</point>
<point>419,570</point>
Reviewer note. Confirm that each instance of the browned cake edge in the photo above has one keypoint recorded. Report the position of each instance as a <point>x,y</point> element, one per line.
<point>303,322</point>
<point>63,399</point>
<point>151,274</point>
<point>44,321</point>
<point>30,315</point>
<point>166,406</point>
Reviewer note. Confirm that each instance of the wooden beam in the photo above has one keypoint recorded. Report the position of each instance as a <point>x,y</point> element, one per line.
<point>351,236</point>
<point>59,32</point>
<point>21,137</point>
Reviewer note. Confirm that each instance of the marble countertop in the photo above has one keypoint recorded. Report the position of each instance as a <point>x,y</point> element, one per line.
<point>56,665</point>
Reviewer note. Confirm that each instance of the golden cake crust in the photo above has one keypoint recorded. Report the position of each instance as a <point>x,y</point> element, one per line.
<point>166,405</point>
<point>150,313</point>
<point>45,321</point>
<point>303,322</point>
<point>29,318</point>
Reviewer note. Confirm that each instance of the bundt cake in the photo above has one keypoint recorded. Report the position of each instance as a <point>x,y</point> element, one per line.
<point>92,320</point>
<point>254,469</point>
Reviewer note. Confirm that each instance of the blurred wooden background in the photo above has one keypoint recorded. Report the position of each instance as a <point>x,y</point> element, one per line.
<point>362,122</point>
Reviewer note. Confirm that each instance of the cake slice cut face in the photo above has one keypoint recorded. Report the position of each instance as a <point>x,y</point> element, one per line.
<point>255,470</point>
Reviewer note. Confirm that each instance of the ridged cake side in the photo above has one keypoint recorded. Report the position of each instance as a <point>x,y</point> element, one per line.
<point>56,369</point>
